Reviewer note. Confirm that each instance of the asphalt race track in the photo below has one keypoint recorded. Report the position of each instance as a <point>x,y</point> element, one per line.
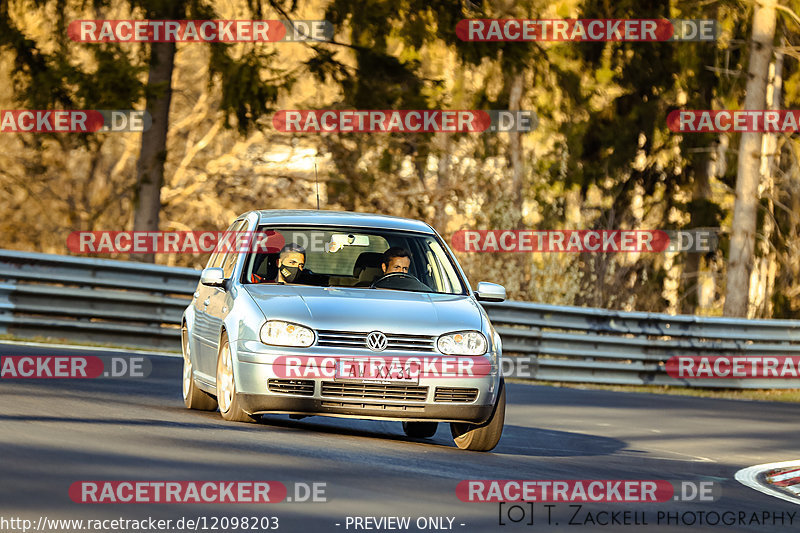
<point>54,432</point>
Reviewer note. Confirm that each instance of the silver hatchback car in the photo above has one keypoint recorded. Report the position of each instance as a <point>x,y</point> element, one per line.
<point>347,315</point>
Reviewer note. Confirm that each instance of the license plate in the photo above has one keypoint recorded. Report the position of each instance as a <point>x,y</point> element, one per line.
<point>377,371</point>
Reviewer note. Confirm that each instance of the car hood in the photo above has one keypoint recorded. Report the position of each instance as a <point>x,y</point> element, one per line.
<point>351,309</point>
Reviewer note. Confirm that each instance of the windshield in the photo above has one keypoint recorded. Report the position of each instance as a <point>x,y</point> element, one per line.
<point>354,257</point>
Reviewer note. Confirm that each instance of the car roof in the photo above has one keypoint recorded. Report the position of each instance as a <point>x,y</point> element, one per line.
<point>340,218</point>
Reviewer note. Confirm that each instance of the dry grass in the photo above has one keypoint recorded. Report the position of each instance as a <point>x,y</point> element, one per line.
<point>768,395</point>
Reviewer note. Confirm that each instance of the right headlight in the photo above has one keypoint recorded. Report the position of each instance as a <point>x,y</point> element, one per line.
<point>462,343</point>
<point>280,333</point>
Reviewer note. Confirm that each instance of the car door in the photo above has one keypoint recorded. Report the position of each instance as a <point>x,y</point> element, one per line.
<point>217,304</point>
<point>201,330</point>
<point>204,330</point>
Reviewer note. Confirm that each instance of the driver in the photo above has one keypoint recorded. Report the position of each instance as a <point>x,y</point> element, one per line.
<point>291,262</point>
<point>395,259</point>
<point>395,264</point>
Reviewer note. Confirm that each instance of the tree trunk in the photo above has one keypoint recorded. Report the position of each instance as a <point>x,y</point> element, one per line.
<point>701,192</point>
<point>766,268</point>
<point>150,166</point>
<point>515,150</point>
<point>443,185</point>
<point>743,231</point>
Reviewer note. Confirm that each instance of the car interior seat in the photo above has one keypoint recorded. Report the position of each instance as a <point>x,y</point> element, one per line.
<point>266,267</point>
<point>367,268</point>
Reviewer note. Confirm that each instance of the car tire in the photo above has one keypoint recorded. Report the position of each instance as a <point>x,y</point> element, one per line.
<point>420,430</point>
<point>193,397</point>
<point>227,397</point>
<point>483,437</point>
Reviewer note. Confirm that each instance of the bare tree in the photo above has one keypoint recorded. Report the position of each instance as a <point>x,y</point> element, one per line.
<point>743,231</point>
<point>515,150</point>
<point>150,167</point>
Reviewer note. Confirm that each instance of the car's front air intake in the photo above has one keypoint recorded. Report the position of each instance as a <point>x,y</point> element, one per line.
<point>376,391</point>
<point>300,387</point>
<point>454,394</point>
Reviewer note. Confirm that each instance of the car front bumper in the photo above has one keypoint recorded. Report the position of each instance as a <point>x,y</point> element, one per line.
<point>266,388</point>
<point>369,408</point>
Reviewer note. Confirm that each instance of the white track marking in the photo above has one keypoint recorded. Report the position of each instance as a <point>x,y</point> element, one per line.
<point>749,477</point>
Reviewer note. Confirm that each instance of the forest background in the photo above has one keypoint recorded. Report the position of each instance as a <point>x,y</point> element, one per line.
<point>601,156</point>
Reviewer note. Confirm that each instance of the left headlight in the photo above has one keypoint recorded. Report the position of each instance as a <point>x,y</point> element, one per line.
<point>280,333</point>
<point>462,343</point>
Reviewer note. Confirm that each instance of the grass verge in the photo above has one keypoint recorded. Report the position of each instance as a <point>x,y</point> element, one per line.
<point>767,395</point>
<point>70,342</point>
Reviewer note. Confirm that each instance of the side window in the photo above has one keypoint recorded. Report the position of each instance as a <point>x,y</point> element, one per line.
<point>218,256</point>
<point>444,273</point>
<point>230,259</point>
<point>216,259</point>
<point>229,263</point>
<point>436,273</point>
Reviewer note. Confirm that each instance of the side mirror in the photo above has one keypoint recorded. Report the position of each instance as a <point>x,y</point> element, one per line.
<point>490,292</point>
<point>213,277</point>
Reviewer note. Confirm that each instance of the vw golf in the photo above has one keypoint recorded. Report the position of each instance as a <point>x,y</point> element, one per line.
<point>346,315</point>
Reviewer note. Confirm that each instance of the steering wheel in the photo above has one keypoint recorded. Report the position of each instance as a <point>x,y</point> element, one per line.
<point>399,281</point>
<point>390,275</point>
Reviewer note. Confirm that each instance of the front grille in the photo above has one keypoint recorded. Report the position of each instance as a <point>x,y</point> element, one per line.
<point>301,387</point>
<point>395,341</point>
<point>377,391</point>
<point>454,394</point>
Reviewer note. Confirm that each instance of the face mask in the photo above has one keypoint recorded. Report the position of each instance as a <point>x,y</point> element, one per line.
<point>289,273</point>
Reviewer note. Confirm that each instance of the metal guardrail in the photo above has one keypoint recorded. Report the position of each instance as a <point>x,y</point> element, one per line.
<point>580,344</point>
<point>95,300</point>
<point>126,303</point>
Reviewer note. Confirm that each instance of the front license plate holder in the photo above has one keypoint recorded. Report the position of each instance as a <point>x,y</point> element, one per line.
<point>377,371</point>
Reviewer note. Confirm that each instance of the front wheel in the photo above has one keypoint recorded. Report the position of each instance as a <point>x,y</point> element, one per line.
<point>193,397</point>
<point>227,397</point>
<point>484,437</point>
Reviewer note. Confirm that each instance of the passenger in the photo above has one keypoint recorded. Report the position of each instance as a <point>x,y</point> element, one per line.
<point>291,262</point>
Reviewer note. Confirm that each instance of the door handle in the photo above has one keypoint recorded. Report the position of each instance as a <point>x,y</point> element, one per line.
<point>206,302</point>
